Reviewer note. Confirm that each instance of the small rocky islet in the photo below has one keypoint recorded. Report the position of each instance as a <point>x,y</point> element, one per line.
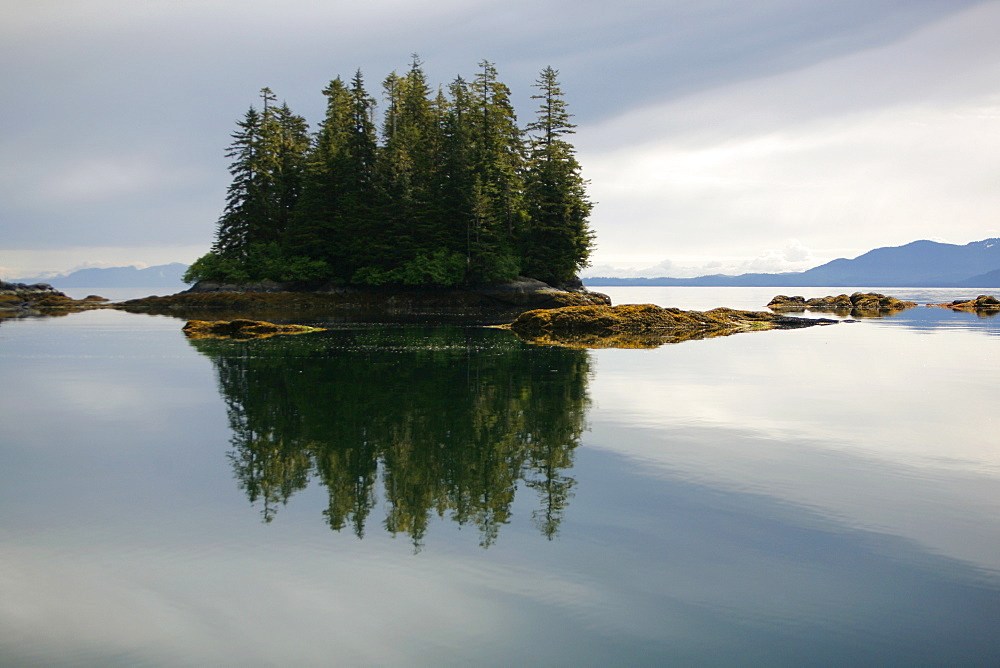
<point>20,300</point>
<point>643,325</point>
<point>241,329</point>
<point>981,304</point>
<point>859,304</point>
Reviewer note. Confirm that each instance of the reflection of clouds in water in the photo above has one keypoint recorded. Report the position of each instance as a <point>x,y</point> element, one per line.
<point>949,512</point>
<point>878,426</point>
<point>653,567</point>
<point>230,606</point>
<point>882,391</point>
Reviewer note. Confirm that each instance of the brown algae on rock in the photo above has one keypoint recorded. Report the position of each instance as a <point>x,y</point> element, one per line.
<point>643,325</point>
<point>18,299</point>
<point>981,304</point>
<point>860,304</point>
<point>241,329</point>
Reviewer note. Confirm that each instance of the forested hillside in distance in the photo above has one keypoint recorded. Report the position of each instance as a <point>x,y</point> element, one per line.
<point>448,191</point>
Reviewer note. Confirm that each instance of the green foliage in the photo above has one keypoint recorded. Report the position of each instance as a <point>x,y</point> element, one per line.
<point>557,240</point>
<point>440,268</point>
<point>450,191</point>
<point>261,262</point>
<point>216,267</point>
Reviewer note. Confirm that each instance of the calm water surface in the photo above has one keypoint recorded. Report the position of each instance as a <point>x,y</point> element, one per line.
<point>427,496</point>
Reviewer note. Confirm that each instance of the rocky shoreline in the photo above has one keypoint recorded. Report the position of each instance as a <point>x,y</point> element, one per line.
<point>566,315</point>
<point>21,300</point>
<point>492,303</point>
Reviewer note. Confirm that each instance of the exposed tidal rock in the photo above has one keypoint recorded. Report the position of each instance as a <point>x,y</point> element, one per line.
<point>643,325</point>
<point>209,287</point>
<point>18,299</point>
<point>241,329</point>
<point>859,304</point>
<point>982,303</point>
<point>488,302</point>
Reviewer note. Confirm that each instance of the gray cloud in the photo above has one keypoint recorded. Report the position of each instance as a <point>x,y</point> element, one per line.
<point>121,111</point>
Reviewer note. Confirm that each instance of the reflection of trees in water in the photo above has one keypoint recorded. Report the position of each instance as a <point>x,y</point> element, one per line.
<point>444,420</point>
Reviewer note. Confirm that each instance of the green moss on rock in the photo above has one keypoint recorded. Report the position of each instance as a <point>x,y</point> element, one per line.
<point>17,299</point>
<point>859,304</point>
<point>982,303</point>
<point>643,325</point>
<point>241,329</point>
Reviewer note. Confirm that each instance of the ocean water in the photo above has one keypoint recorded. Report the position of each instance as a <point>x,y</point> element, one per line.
<point>435,496</point>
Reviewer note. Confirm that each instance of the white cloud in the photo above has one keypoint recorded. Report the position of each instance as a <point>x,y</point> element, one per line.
<point>873,149</point>
<point>120,133</point>
<point>793,256</point>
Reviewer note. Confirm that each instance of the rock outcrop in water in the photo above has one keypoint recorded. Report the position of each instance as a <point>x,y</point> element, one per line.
<point>981,304</point>
<point>268,299</point>
<point>241,329</point>
<point>643,325</point>
<point>18,299</point>
<point>860,304</point>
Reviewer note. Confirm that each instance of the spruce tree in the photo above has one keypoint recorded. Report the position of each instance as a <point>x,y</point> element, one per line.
<point>269,148</point>
<point>366,239</point>
<point>326,182</point>
<point>410,162</point>
<point>457,181</point>
<point>333,223</point>
<point>557,239</point>
<point>292,144</point>
<point>245,208</point>
<point>498,162</point>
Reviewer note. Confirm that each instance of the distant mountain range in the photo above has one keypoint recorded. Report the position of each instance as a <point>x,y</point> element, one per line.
<point>920,264</point>
<point>161,276</point>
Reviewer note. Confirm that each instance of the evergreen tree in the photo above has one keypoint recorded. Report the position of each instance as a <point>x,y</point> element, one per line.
<point>292,144</point>
<point>269,151</point>
<point>334,223</point>
<point>557,239</point>
<point>498,163</point>
<point>367,241</point>
<point>457,188</point>
<point>245,207</point>
<point>327,182</point>
<point>454,193</point>
<point>411,167</point>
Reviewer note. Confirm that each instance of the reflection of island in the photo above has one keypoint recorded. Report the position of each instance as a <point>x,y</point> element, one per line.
<point>434,420</point>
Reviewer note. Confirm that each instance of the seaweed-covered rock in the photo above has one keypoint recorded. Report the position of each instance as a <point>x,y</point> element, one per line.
<point>18,299</point>
<point>859,304</point>
<point>982,303</point>
<point>643,325</point>
<point>241,329</point>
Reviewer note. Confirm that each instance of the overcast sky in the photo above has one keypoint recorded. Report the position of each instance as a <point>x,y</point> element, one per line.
<point>718,135</point>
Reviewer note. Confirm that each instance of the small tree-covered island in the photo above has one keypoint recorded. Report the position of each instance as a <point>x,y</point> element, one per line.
<point>448,190</point>
<point>449,204</point>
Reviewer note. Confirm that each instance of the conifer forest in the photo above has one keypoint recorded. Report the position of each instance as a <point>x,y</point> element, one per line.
<point>423,188</point>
